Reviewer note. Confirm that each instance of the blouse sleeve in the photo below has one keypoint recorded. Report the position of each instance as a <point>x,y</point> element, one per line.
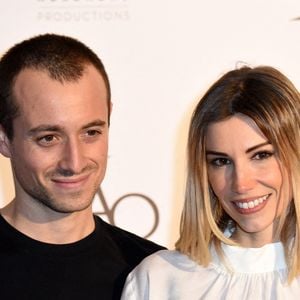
<point>137,285</point>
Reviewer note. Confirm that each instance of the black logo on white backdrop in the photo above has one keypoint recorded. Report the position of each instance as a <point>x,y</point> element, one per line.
<point>83,11</point>
<point>124,204</point>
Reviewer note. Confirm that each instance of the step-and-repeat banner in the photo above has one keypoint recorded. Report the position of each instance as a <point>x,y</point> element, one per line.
<point>161,56</point>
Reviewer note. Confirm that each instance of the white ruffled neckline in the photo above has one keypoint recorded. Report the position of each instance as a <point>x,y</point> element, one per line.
<point>268,258</point>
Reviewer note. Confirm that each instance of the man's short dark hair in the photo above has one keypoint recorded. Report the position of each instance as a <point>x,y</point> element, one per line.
<point>63,58</point>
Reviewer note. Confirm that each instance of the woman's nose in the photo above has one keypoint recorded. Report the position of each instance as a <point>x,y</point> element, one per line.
<point>242,179</point>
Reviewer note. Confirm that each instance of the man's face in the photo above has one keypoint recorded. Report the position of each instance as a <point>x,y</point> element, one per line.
<point>59,149</point>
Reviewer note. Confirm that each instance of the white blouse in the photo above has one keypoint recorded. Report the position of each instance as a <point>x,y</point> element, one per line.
<point>255,273</point>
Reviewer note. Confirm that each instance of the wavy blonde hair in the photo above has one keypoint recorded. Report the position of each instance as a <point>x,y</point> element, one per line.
<point>270,99</point>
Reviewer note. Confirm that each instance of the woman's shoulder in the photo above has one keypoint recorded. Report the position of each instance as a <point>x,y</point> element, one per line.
<point>166,260</point>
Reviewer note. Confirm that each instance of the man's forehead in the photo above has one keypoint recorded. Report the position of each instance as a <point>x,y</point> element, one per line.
<point>33,78</point>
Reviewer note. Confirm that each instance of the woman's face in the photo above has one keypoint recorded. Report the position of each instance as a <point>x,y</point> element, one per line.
<point>246,177</point>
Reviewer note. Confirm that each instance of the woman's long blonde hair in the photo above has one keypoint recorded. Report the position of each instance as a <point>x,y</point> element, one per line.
<point>269,98</point>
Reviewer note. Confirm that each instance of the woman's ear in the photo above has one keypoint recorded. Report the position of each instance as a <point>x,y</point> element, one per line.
<point>4,143</point>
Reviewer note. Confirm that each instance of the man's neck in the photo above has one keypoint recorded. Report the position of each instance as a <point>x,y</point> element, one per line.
<point>49,226</point>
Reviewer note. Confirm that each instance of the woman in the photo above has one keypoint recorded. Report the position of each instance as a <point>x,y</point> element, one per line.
<point>239,236</point>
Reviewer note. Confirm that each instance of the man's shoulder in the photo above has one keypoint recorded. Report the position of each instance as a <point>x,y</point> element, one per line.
<point>131,245</point>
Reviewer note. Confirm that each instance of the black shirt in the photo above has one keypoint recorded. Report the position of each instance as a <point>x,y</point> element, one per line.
<point>92,268</point>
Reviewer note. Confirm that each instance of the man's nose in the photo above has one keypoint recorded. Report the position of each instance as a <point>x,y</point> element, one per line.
<point>72,157</point>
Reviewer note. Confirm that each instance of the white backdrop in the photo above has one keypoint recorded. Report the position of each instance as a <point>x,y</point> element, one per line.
<point>161,56</point>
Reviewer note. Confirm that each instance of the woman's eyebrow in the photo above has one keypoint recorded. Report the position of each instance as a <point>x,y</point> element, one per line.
<point>211,152</point>
<point>257,146</point>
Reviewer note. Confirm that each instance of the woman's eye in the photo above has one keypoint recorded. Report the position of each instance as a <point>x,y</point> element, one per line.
<point>262,155</point>
<point>219,162</point>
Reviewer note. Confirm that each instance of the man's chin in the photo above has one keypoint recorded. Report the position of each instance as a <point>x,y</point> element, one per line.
<point>68,208</point>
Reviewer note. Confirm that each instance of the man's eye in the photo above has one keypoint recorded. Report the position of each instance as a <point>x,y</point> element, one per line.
<point>219,162</point>
<point>262,155</point>
<point>92,132</point>
<point>46,140</point>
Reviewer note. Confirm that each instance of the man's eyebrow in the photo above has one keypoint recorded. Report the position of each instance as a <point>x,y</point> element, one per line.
<point>56,128</point>
<point>211,152</point>
<point>94,123</point>
<point>43,127</point>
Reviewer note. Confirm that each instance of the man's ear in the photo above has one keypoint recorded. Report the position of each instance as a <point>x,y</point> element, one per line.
<point>4,143</point>
<point>110,108</point>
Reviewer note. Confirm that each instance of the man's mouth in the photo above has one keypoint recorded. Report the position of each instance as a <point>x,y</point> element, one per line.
<point>70,182</point>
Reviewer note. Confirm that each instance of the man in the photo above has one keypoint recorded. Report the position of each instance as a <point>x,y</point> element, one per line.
<point>54,121</point>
